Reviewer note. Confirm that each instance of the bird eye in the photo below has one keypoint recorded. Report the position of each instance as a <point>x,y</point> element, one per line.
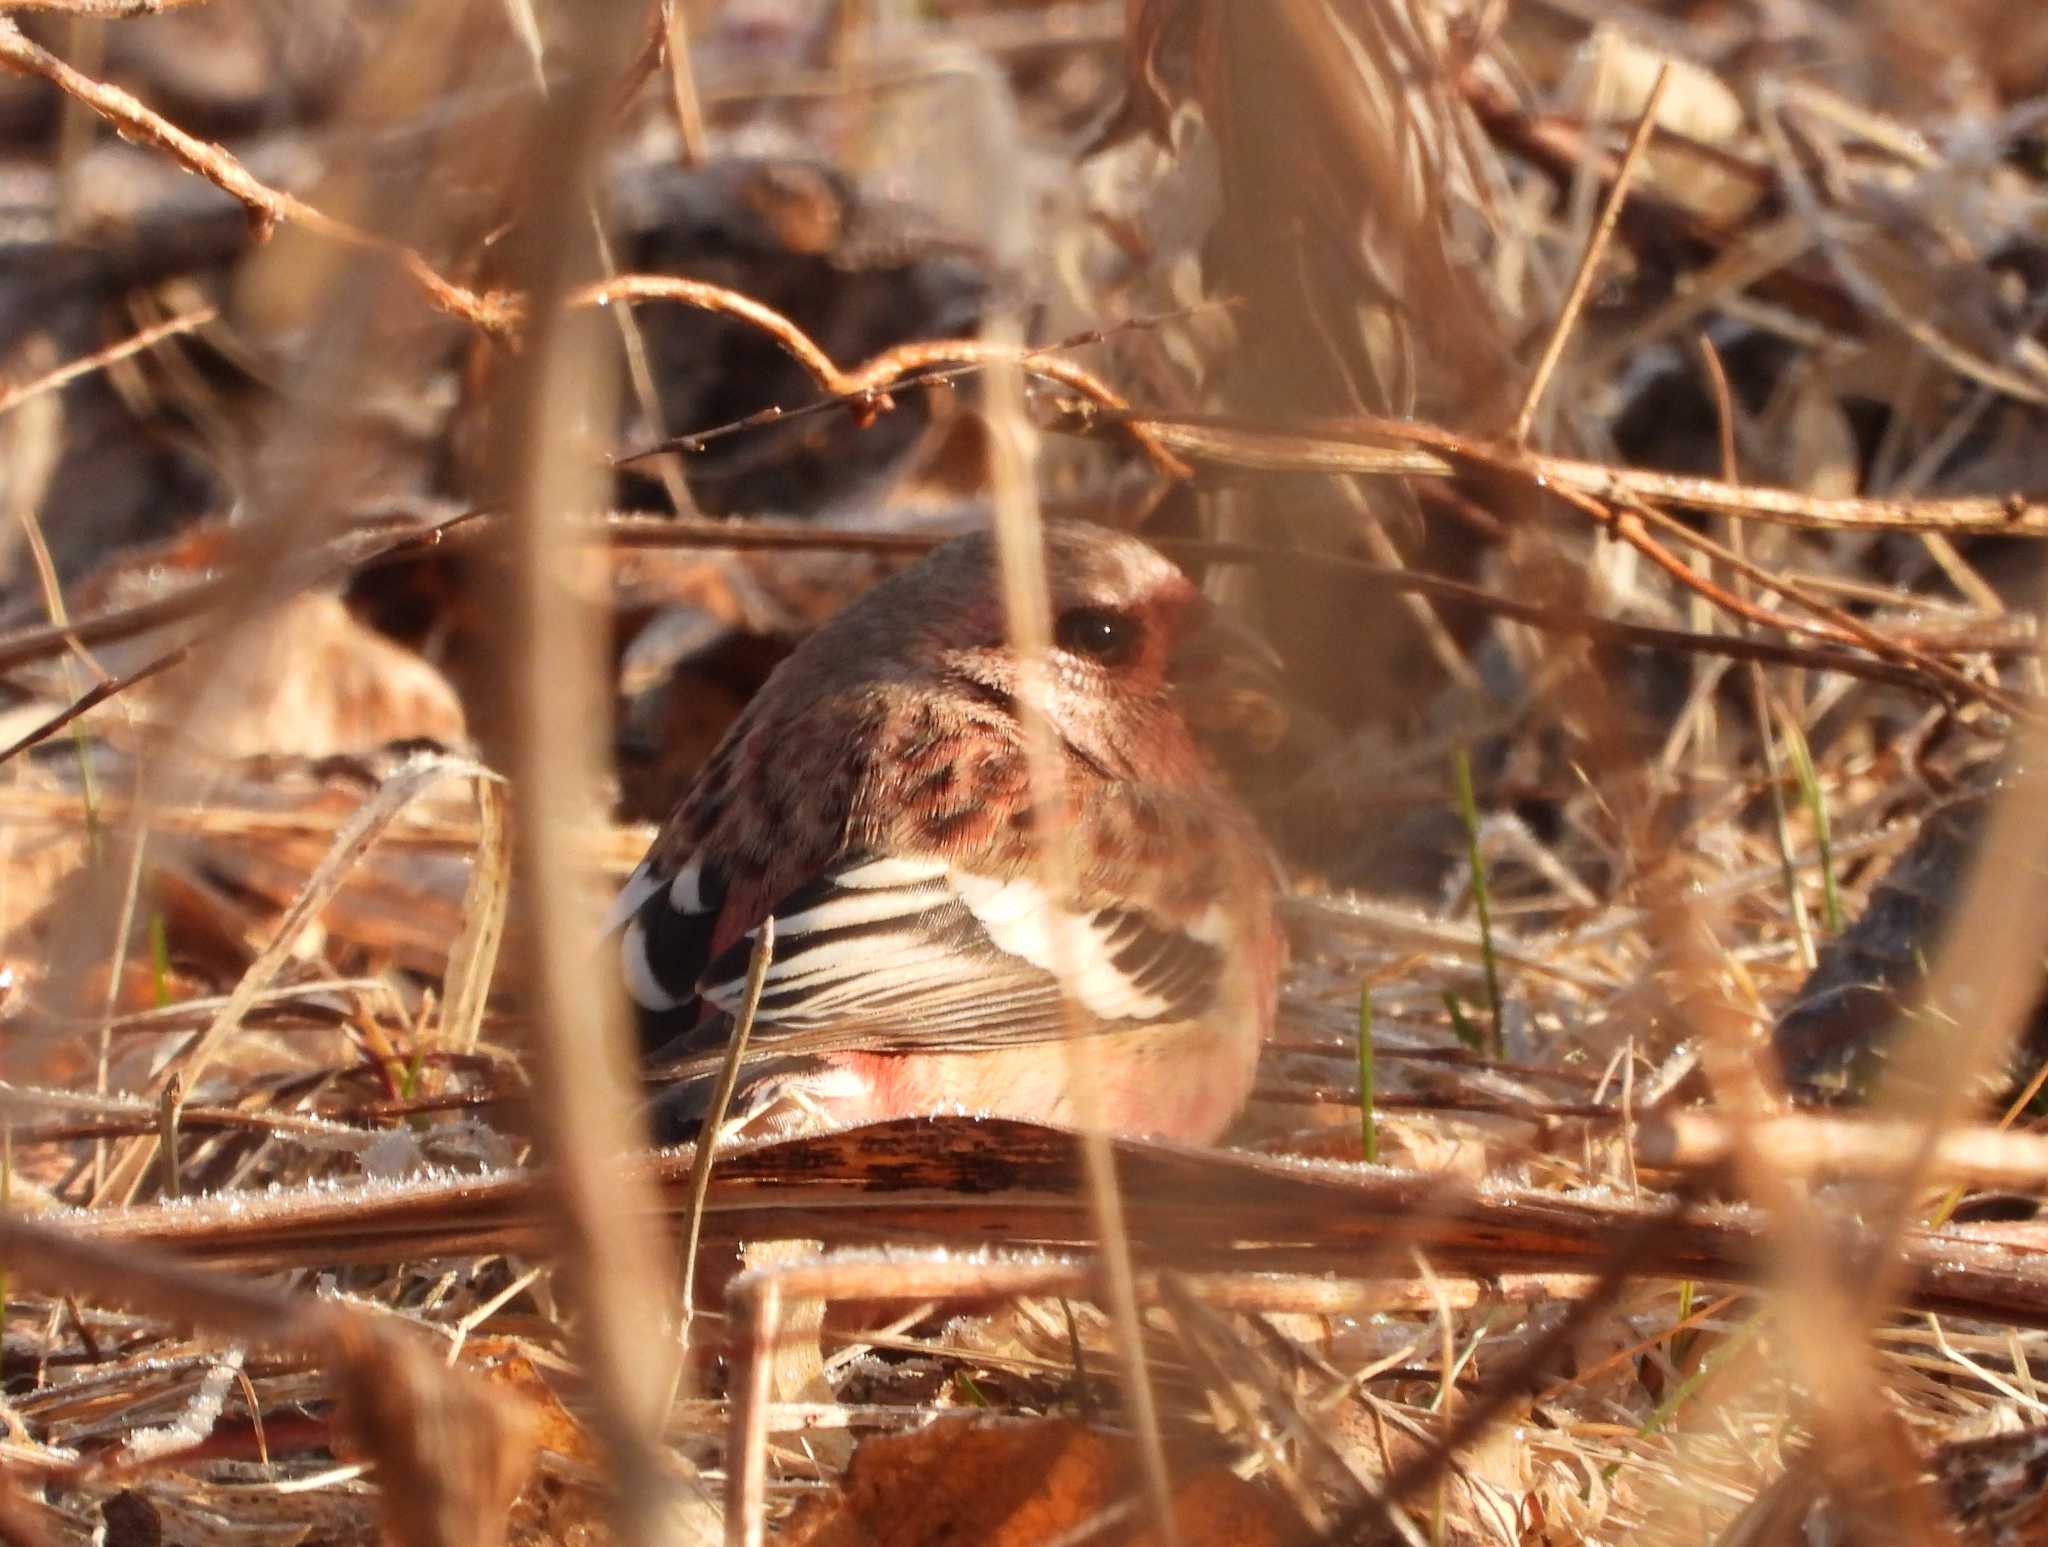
<point>1098,633</point>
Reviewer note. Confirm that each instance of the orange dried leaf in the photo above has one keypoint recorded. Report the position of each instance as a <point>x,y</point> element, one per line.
<point>504,1363</point>
<point>994,1484</point>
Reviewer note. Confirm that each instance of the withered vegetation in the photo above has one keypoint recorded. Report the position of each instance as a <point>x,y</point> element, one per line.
<point>423,426</point>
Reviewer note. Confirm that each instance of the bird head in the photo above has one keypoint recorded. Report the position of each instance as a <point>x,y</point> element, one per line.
<point>1143,668</point>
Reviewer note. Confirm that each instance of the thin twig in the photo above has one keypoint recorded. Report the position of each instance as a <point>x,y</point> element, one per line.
<point>865,388</point>
<point>99,359</point>
<point>364,550</point>
<point>1759,688</point>
<point>1628,526</point>
<point>707,297</point>
<point>714,1119</point>
<point>493,313</point>
<point>658,532</point>
<point>683,94</point>
<point>1589,261</point>
<point>1516,1379</point>
<point>92,698</point>
<point>322,566</point>
<point>1425,450</point>
<point>170,1103</point>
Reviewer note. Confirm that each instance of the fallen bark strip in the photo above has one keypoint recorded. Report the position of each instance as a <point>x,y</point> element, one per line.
<point>945,1182</point>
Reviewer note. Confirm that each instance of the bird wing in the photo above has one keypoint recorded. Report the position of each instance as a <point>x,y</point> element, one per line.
<point>903,954</point>
<point>666,923</point>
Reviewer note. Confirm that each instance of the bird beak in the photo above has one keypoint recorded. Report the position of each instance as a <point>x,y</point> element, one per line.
<point>1232,685</point>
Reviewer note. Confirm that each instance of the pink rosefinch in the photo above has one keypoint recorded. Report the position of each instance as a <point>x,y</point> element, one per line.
<point>876,799</point>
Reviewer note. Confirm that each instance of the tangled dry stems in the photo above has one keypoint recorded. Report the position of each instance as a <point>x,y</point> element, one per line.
<point>1492,1289</point>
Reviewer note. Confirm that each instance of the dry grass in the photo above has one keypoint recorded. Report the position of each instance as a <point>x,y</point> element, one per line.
<point>1630,406</point>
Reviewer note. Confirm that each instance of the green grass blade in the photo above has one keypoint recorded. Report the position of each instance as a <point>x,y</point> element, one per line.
<point>1368,1130</point>
<point>159,958</point>
<point>1816,802</point>
<point>1468,813</point>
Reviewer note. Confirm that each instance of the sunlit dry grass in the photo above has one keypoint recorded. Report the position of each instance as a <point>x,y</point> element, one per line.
<point>1616,421</point>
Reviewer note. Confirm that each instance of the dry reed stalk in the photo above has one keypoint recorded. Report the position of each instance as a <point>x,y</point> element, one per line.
<point>1020,551</point>
<point>1392,108</point>
<point>612,1266</point>
<point>473,959</point>
<point>1816,1147</point>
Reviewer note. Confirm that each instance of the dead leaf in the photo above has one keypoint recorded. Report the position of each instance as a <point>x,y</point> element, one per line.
<point>311,681</point>
<point>998,1484</point>
<point>452,1453</point>
<point>504,1363</point>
